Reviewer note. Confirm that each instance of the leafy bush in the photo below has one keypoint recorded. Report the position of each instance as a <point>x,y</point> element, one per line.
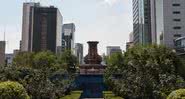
<point>41,74</point>
<point>12,90</point>
<point>68,61</point>
<point>110,95</point>
<point>73,95</point>
<point>177,94</point>
<point>44,60</point>
<point>24,59</point>
<point>39,84</point>
<point>148,72</point>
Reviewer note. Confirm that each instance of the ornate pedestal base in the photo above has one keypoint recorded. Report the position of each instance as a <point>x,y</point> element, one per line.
<point>92,69</point>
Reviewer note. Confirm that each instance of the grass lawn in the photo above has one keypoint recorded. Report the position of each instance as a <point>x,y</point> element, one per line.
<point>110,95</point>
<point>74,95</point>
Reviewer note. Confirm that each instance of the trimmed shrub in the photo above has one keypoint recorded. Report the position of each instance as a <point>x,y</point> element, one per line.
<point>177,94</point>
<point>12,90</point>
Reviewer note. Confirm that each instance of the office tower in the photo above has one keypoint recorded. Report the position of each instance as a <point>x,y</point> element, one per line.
<point>27,26</point>
<point>9,59</point>
<point>2,52</point>
<point>131,37</point>
<point>142,22</point>
<point>163,19</point>
<point>170,21</point>
<point>113,49</point>
<point>68,31</point>
<point>130,44</point>
<point>44,29</point>
<point>79,52</point>
<point>153,21</point>
<point>47,29</point>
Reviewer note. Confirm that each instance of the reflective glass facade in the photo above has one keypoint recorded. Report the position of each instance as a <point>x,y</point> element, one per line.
<point>68,31</point>
<point>142,22</point>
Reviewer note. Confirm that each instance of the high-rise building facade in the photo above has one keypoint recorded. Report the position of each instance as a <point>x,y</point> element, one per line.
<point>10,56</point>
<point>79,52</point>
<point>130,44</point>
<point>44,29</point>
<point>113,49</point>
<point>2,52</point>
<point>158,21</point>
<point>131,38</point>
<point>47,29</point>
<point>8,59</point>
<point>142,22</point>
<point>68,31</point>
<point>170,21</point>
<point>27,25</point>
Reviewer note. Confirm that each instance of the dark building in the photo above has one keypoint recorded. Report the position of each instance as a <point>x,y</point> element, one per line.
<point>2,52</point>
<point>68,31</point>
<point>8,59</point>
<point>41,28</point>
<point>113,49</point>
<point>46,24</point>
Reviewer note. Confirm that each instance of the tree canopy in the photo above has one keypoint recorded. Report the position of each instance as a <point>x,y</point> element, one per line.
<point>44,60</point>
<point>68,61</point>
<point>144,72</point>
<point>24,59</point>
<point>42,74</point>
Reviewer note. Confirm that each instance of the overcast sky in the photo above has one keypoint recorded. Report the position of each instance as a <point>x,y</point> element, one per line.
<point>107,21</point>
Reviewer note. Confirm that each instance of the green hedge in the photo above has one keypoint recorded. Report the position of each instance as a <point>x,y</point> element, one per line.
<point>12,90</point>
<point>73,95</point>
<point>110,95</point>
<point>177,94</point>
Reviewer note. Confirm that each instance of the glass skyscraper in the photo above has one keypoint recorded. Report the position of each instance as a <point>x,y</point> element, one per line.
<point>142,22</point>
<point>68,31</point>
<point>158,21</point>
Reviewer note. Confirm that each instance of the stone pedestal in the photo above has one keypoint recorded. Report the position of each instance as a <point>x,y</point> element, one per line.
<point>92,61</point>
<point>92,69</point>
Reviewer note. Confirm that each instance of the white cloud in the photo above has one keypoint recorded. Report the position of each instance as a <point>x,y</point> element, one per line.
<point>111,2</point>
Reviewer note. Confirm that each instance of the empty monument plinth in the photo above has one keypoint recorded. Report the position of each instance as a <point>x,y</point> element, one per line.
<point>92,61</point>
<point>90,79</point>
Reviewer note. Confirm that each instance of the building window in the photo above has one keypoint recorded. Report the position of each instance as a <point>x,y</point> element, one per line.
<point>177,27</point>
<point>177,35</point>
<point>176,12</point>
<point>175,5</point>
<point>177,20</point>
